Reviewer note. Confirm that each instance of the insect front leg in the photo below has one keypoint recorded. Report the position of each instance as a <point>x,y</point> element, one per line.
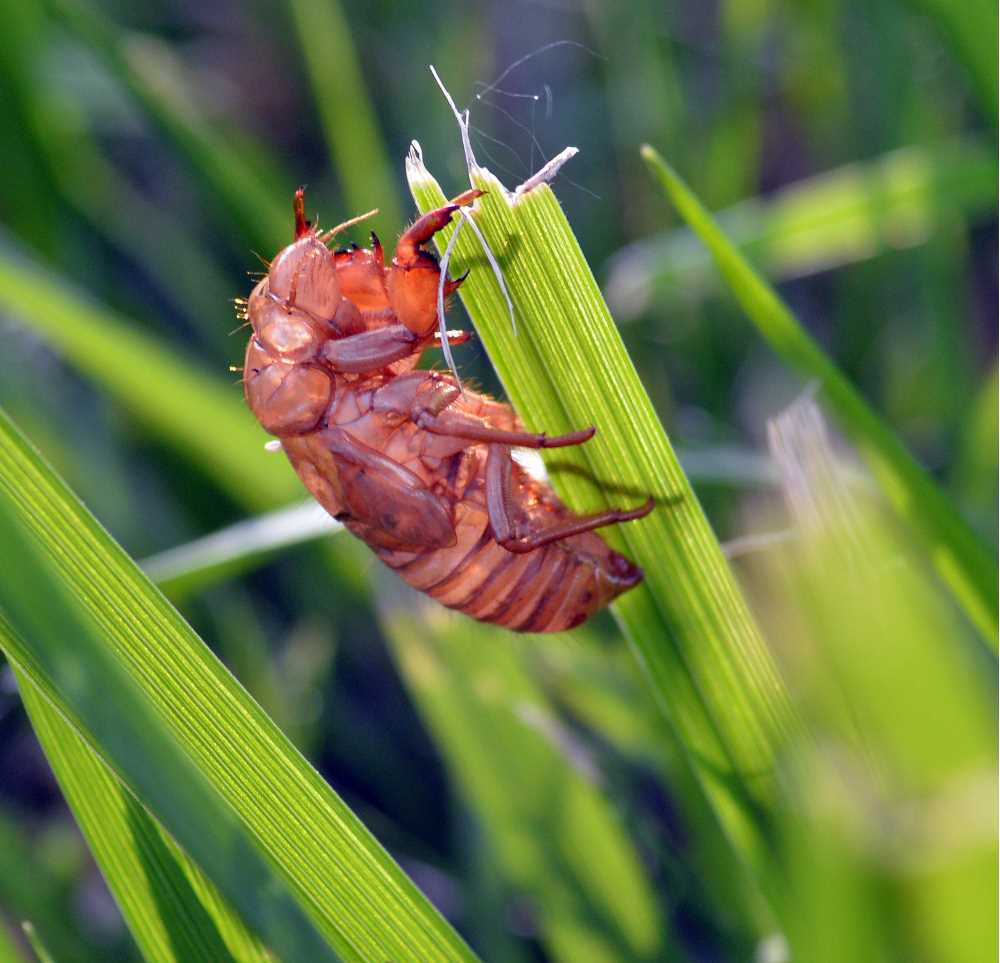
<point>412,279</point>
<point>370,350</point>
<point>408,251</point>
<point>511,530</point>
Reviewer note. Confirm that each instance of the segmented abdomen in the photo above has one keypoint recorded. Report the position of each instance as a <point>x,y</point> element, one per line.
<point>550,589</point>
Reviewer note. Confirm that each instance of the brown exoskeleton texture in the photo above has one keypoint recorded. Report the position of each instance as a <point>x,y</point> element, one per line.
<point>411,464</point>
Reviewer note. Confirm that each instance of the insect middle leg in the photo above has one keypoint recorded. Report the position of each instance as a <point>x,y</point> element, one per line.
<point>395,506</point>
<point>510,530</point>
<point>430,413</point>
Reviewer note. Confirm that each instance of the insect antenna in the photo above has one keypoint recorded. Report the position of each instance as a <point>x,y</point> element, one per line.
<point>328,236</point>
<point>470,160</point>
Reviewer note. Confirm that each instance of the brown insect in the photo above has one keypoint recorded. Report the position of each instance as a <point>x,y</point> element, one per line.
<point>409,462</point>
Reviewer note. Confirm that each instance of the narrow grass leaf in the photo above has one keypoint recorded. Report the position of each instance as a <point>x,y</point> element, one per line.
<point>842,216</point>
<point>961,560</point>
<point>32,935</point>
<point>172,910</point>
<point>567,368</point>
<point>236,548</point>
<point>259,794</point>
<point>246,194</point>
<point>49,642</point>
<point>350,126</point>
<point>198,414</point>
<point>530,784</point>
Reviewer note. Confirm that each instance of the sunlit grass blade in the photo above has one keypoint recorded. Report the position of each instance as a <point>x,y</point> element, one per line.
<point>249,197</point>
<point>242,546</point>
<point>49,643</point>
<point>895,802</point>
<point>350,126</point>
<point>961,560</point>
<point>33,937</point>
<point>174,913</point>
<point>839,217</point>
<point>198,414</point>
<point>238,547</point>
<point>144,661</point>
<point>565,369</point>
<point>537,796</point>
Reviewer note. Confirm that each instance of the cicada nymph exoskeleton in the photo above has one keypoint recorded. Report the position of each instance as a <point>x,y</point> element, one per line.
<point>411,463</point>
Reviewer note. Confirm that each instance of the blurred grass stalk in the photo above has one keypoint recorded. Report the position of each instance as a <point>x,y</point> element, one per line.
<point>236,179</point>
<point>529,781</point>
<point>961,560</point>
<point>350,127</point>
<point>566,368</point>
<point>839,217</point>
<point>890,826</point>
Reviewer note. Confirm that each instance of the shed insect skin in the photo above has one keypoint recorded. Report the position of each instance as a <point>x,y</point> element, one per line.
<point>409,462</point>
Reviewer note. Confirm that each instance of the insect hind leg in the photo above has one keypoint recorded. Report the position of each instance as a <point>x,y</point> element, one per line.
<point>505,525</point>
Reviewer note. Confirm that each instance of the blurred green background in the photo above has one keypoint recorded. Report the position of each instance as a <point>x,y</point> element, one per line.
<point>149,158</point>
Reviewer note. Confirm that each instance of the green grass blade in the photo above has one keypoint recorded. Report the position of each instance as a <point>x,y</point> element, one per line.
<point>236,548</point>
<point>174,913</point>
<point>839,217</point>
<point>960,559</point>
<point>32,935</point>
<point>354,892</point>
<point>538,799</point>
<point>566,368</point>
<point>197,413</point>
<point>248,196</point>
<point>349,123</point>
<point>971,29</point>
<point>49,643</point>
<point>10,952</point>
<point>895,803</point>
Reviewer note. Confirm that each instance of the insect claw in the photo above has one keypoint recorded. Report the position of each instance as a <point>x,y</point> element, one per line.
<point>450,287</point>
